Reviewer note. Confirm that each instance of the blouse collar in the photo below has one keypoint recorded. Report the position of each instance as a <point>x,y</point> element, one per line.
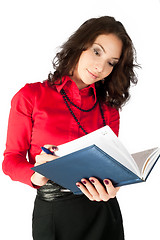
<point>67,82</point>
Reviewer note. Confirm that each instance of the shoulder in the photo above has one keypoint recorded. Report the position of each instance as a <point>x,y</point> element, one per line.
<point>30,90</point>
<point>25,98</point>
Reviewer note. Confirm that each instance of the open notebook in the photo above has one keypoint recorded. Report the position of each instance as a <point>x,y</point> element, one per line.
<point>99,154</point>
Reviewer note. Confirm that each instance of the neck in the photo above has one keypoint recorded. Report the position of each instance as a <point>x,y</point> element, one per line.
<point>80,84</point>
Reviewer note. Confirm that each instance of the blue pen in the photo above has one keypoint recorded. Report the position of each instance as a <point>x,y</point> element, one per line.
<point>46,150</point>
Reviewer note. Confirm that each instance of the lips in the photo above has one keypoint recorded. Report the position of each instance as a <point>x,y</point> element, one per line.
<point>92,75</point>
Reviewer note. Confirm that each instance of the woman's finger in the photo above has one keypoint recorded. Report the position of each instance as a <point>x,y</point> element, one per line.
<point>112,191</point>
<point>89,190</point>
<point>84,190</point>
<point>51,148</point>
<point>95,191</point>
<point>103,194</point>
<point>43,157</point>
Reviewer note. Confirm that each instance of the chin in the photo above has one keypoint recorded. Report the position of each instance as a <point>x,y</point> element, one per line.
<point>88,82</point>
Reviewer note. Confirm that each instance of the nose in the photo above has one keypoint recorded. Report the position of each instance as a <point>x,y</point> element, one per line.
<point>99,66</point>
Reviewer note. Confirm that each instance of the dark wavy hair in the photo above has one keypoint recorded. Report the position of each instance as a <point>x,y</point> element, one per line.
<point>114,90</point>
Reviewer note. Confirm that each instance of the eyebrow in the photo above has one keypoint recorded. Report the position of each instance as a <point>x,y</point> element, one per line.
<point>104,50</point>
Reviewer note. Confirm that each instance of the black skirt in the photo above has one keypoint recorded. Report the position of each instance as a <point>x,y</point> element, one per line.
<point>75,217</point>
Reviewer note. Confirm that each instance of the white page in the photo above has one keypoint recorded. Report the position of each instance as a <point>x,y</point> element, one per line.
<point>150,162</point>
<point>116,153</point>
<point>141,157</point>
<point>105,139</point>
<point>120,152</point>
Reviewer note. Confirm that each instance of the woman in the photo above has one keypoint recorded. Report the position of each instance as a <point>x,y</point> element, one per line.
<point>93,73</point>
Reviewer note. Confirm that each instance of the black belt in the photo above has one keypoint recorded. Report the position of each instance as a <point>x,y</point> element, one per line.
<point>52,191</point>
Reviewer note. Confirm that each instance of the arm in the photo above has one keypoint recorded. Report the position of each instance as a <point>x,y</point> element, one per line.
<point>19,133</point>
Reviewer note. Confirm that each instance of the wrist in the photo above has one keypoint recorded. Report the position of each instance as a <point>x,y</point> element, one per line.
<point>38,179</point>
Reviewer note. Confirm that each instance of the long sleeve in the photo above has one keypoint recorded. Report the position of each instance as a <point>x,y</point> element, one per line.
<point>15,163</point>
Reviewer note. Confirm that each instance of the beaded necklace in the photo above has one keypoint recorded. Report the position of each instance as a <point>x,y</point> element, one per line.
<point>68,102</point>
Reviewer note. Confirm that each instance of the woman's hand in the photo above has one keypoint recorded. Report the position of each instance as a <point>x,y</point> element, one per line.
<point>38,179</point>
<point>95,191</point>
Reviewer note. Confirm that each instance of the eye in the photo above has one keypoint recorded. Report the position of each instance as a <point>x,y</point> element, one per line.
<point>112,64</point>
<point>96,52</point>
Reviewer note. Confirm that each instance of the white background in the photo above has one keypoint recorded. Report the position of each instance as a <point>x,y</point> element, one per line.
<point>30,32</point>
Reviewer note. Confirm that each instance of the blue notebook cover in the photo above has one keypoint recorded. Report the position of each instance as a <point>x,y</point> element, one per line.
<point>87,162</point>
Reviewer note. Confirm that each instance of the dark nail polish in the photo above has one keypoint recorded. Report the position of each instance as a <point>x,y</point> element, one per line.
<point>54,148</point>
<point>77,184</point>
<point>106,182</point>
<point>92,181</point>
<point>84,182</point>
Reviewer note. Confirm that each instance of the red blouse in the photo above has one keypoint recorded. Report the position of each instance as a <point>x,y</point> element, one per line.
<point>39,116</point>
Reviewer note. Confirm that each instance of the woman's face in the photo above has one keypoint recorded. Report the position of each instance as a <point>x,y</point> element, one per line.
<point>98,61</point>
